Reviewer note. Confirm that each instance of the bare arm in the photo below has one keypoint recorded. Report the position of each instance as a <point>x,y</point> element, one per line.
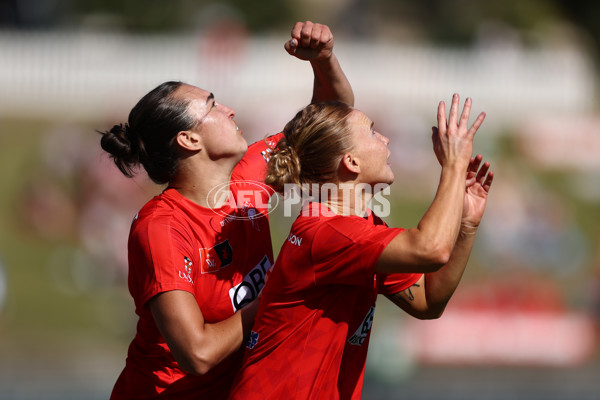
<point>429,296</point>
<point>314,43</point>
<point>198,346</point>
<point>427,247</point>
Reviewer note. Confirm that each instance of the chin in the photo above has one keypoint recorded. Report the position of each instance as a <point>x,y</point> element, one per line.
<point>387,182</point>
<point>389,179</point>
<point>382,182</point>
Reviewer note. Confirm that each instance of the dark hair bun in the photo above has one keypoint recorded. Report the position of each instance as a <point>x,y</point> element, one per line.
<point>117,142</point>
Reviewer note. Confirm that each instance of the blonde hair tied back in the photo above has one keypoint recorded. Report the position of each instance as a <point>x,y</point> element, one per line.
<point>283,167</point>
<point>315,140</point>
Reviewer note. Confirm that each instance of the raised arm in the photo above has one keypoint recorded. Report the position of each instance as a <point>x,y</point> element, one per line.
<point>196,345</point>
<point>430,295</point>
<point>314,43</point>
<point>427,247</point>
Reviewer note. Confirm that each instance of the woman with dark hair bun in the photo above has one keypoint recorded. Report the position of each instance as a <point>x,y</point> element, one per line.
<point>312,329</point>
<point>199,251</point>
<point>147,138</point>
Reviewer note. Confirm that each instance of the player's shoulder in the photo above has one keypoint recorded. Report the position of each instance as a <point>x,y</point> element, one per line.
<point>269,141</point>
<point>161,214</point>
<point>163,205</point>
<point>264,147</point>
<point>341,228</point>
<point>254,163</point>
<point>375,219</point>
<point>355,223</point>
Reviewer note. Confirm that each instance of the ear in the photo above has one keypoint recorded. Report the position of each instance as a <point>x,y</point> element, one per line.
<point>351,163</point>
<point>189,140</point>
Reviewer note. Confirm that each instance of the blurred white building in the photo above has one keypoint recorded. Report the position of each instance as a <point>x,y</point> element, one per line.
<point>86,75</point>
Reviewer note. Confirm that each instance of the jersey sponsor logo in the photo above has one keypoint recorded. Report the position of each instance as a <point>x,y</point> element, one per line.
<point>187,275</point>
<point>252,340</point>
<point>216,257</point>
<point>293,239</point>
<point>250,287</point>
<point>362,332</point>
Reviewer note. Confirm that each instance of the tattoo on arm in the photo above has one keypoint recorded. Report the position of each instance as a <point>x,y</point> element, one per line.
<point>407,294</point>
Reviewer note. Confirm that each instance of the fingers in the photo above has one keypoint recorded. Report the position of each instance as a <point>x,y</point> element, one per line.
<point>488,181</point>
<point>484,176</point>
<point>453,118</point>
<point>326,36</point>
<point>464,117</point>
<point>472,170</point>
<point>309,34</point>
<point>477,124</point>
<point>291,46</point>
<point>306,34</point>
<point>455,137</point>
<point>479,174</point>
<point>483,172</point>
<point>474,164</point>
<point>315,36</point>
<point>441,118</point>
<point>297,29</point>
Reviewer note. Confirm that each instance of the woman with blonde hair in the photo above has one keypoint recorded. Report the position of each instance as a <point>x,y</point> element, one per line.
<point>311,332</point>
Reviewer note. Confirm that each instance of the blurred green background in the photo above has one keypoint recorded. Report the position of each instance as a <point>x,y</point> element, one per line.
<point>523,323</point>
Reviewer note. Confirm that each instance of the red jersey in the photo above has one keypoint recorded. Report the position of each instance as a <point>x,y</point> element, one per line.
<point>219,255</point>
<point>311,333</point>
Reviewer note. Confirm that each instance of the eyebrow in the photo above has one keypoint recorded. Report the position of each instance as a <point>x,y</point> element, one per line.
<point>209,98</point>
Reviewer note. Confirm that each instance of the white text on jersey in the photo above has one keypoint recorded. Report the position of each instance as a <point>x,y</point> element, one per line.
<point>293,239</point>
<point>250,287</point>
<point>363,330</point>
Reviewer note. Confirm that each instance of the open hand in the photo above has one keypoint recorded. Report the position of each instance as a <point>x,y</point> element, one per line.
<point>479,180</point>
<point>453,139</point>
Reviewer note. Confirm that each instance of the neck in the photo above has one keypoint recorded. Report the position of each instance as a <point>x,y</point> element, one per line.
<point>206,185</point>
<point>348,199</point>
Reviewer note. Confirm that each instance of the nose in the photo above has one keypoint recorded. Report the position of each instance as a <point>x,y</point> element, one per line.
<point>230,112</point>
<point>383,138</point>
